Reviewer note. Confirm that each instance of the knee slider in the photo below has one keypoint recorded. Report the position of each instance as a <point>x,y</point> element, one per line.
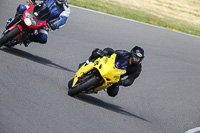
<point>43,38</point>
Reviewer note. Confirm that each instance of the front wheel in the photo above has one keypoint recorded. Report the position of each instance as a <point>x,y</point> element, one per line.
<point>70,83</point>
<point>84,86</point>
<point>9,36</point>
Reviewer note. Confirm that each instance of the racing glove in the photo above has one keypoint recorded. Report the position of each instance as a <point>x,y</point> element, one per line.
<point>33,2</point>
<point>53,27</point>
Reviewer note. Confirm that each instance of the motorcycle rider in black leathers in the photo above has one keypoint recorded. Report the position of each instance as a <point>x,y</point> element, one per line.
<point>134,68</point>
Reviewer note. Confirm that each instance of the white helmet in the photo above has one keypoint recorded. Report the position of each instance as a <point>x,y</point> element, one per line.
<point>61,1</point>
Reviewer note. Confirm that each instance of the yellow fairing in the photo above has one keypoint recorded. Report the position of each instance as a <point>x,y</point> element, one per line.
<point>107,69</point>
<point>84,69</point>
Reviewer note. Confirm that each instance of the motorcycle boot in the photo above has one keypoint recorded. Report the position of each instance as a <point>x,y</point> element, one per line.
<point>27,42</point>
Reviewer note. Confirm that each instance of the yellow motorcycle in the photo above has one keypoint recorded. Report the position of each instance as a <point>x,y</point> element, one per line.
<point>98,75</point>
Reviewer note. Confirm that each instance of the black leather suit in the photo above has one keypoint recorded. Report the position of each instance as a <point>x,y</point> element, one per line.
<point>132,71</point>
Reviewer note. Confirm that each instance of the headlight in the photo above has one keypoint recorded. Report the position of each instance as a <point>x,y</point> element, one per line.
<point>29,21</point>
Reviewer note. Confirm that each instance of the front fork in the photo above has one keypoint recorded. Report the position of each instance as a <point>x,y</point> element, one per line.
<point>16,20</point>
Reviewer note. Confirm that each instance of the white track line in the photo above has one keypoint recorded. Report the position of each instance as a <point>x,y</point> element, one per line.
<point>133,20</point>
<point>194,130</point>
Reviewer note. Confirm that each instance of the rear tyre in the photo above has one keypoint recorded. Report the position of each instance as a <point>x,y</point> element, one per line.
<point>84,86</point>
<point>9,36</point>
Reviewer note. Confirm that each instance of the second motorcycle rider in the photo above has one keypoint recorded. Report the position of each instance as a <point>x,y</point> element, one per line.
<point>60,11</point>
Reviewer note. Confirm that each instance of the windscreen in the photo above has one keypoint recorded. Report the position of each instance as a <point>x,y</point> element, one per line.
<point>121,62</point>
<point>42,12</point>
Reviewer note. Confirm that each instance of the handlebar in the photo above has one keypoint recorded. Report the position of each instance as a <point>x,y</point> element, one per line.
<point>33,2</point>
<point>50,25</point>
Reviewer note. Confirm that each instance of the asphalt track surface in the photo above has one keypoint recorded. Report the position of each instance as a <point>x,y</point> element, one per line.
<point>33,80</point>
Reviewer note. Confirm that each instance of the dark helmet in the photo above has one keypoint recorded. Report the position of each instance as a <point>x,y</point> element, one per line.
<point>61,1</point>
<point>108,51</point>
<point>137,55</point>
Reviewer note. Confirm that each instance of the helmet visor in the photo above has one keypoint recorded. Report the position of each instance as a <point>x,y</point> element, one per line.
<point>136,59</point>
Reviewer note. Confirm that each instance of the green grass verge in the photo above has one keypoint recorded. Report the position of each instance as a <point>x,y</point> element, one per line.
<point>138,14</point>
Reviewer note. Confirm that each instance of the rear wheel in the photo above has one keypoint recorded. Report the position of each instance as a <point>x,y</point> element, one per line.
<point>84,86</point>
<point>9,36</point>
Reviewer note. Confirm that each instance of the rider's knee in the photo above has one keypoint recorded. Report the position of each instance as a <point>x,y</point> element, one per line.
<point>112,94</point>
<point>41,38</point>
<point>113,91</point>
<point>43,42</point>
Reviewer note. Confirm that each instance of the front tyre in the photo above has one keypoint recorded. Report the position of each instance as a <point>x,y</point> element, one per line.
<point>70,83</point>
<point>9,36</point>
<point>84,86</point>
